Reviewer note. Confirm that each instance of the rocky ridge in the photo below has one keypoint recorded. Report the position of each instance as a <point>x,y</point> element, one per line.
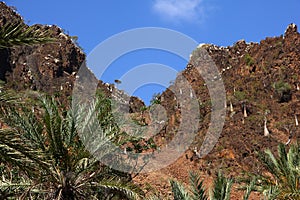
<point>51,67</point>
<point>262,92</point>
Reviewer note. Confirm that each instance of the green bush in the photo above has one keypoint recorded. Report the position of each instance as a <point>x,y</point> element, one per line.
<point>281,86</point>
<point>249,60</point>
<point>240,95</point>
<point>283,91</point>
<point>155,99</point>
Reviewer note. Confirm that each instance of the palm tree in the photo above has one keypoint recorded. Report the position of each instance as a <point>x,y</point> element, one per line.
<point>21,34</point>
<point>220,191</point>
<point>283,181</point>
<point>222,188</point>
<point>196,191</point>
<point>45,154</point>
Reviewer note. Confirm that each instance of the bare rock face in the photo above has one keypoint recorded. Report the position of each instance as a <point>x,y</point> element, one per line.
<point>8,15</point>
<point>135,104</point>
<point>291,30</point>
<point>49,68</point>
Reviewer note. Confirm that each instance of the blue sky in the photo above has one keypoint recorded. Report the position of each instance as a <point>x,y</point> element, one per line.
<point>206,21</point>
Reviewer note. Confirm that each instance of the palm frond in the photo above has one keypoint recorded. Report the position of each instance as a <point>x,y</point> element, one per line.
<point>284,170</point>
<point>8,98</point>
<point>113,186</point>
<point>179,192</point>
<point>46,146</point>
<point>222,188</point>
<point>197,187</point>
<point>272,192</point>
<point>53,123</point>
<point>249,189</point>
<point>17,150</point>
<point>289,195</point>
<point>96,134</point>
<point>20,34</point>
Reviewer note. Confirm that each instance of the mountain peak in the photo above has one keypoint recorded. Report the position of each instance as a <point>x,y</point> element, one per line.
<point>291,29</point>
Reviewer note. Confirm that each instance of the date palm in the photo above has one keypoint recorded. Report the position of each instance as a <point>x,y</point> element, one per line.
<point>196,190</point>
<point>283,181</point>
<point>42,148</point>
<point>220,190</point>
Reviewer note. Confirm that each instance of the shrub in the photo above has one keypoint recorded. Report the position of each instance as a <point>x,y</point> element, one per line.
<point>240,95</point>
<point>249,60</point>
<point>155,99</point>
<point>283,91</point>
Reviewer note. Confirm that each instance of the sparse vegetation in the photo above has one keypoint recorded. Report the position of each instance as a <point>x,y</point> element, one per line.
<point>283,91</point>
<point>196,191</point>
<point>240,95</point>
<point>281,86</point>
<point>249,60</point>
<point>155,99</point>
<point>221,189</point>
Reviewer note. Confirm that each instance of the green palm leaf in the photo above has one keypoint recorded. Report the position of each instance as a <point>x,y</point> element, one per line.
<point>21,34</point>
<point>285,171</point>
<point>222,188</point>
<point>179,192</point>
<point>45,146</point>
<point>197,187</point>
<point>195,191</point>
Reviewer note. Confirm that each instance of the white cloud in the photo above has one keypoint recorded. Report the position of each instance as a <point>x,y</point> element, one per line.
<point>177,10</point>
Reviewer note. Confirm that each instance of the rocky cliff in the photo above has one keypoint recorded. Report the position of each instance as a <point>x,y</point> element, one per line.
<point>49,68</point>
